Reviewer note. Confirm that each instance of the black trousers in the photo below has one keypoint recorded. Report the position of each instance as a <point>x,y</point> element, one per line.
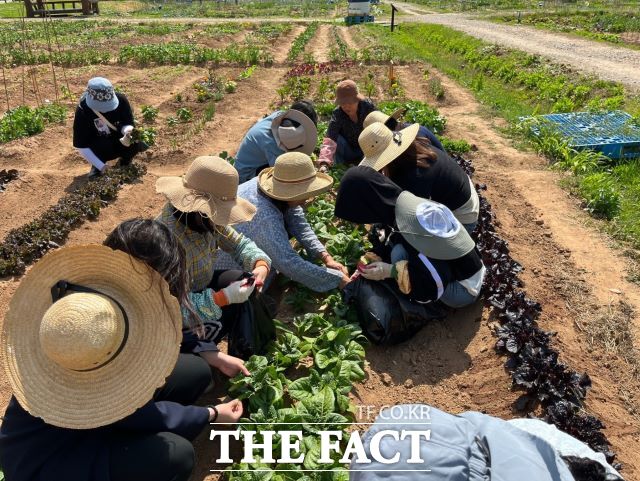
<point>109,148</point>
<point>162,456</point>
<point>230,312</point>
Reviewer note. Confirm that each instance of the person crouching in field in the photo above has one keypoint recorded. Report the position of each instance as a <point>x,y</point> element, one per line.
<point>152,242</point>
<point>293,130</point>
<point>391,121</point>
<point>347,122</point>
<point>422,169</point>
<point>202,206</point>
<point>90,346</point>
<point>279,194</point>
<point>472,446</point>
<point>103,125</point>
<point>432,257</point>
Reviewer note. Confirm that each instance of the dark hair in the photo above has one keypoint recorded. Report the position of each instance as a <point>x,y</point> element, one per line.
<point>419,154</point>
<point>307,108</point>
<point>153,243</point>
<point>194,221</point>
<point>584,469</point>
<point>392,123</point>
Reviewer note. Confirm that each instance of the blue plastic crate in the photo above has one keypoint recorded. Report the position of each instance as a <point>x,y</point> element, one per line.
<point>356,19</point>
<point>611,133</point>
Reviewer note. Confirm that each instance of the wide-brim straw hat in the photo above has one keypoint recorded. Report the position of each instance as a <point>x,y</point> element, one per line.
<point>118,346</point>
<point>295,139</point>
<point>210,187</point>
<point>388,120</point>
<point>293,177</point>
<point>431,228</point>
<point>381,146</point>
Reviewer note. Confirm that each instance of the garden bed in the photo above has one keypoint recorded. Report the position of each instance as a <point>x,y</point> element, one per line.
<point>451,363</point>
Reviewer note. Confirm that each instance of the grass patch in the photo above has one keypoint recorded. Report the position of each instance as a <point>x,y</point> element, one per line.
<point>11,10</point>
<point>215,9</point>
<point>516,84</point>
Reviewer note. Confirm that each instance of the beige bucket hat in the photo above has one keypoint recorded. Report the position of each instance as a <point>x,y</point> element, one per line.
<point>378,116</point>
<point>381,146</point>
<point>89,336</point>
<point>295,138</point>
<point>431,228</point>
<point>210,186</point>
<point>293,177</point>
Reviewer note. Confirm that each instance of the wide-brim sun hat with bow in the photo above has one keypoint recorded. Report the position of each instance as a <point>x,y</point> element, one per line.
<point>210,187</point>
<point>100,95</point>
<point>293,177</point>
<point>295,138</point>
<point>388,120</point>
<point>431,228</point>
<point>381,146</point>
<point>90,335</point>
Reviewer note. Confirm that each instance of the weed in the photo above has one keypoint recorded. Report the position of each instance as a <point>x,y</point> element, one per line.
<point>601,194</point>
<point>149,113</point>
<point>436,88</point>
<point>230,86</point>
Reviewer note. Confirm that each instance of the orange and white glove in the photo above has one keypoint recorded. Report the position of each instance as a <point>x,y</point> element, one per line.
<point>327,152</point>
<point>239,291</point>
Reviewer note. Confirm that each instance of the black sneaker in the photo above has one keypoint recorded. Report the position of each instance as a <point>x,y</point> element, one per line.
<point>94,173</point>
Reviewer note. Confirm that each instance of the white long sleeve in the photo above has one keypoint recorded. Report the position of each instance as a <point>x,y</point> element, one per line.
<point>92,158</point>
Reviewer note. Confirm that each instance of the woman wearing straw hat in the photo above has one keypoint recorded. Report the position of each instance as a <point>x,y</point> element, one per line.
<point>279,194</point>
<point>415,165</point>
<point>392,122</point>
<point>103,125</point>
<point>292,130</point>
<point>202,206</point>
<point>347,121</point>
<point>152,242</point>
<point>90,338</point>
<point>433,258</point>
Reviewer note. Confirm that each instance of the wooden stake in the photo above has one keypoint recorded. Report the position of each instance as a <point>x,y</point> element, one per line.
<point>6,90</point>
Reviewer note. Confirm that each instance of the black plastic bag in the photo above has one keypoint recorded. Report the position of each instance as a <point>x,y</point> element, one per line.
<point>254,329</point>
<point>385,314</point>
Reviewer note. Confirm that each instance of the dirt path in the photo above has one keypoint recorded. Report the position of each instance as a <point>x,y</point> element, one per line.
<point>568,269</point>
<point>618,64</point>
<point>321,43</point>
<point>57,168</point>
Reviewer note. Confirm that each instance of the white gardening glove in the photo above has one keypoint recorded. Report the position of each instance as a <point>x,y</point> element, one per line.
<point>126,140</point>
<point>327,151</point>
<point>239,291</point>
<point>376,271</point>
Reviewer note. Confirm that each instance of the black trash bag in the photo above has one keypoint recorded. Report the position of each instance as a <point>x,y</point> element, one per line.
<point>254,329</point>
<point>385,314</point>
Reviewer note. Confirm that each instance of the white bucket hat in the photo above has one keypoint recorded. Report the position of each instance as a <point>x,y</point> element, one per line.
<point>431,228</point>
<point>295,138</point>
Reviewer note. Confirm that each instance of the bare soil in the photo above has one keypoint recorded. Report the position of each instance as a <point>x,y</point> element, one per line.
<point>568,267</point>
<point>321,43</point>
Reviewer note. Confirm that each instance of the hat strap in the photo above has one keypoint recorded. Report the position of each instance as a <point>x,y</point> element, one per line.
<point>297,181</point>
<point>62,288</point>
